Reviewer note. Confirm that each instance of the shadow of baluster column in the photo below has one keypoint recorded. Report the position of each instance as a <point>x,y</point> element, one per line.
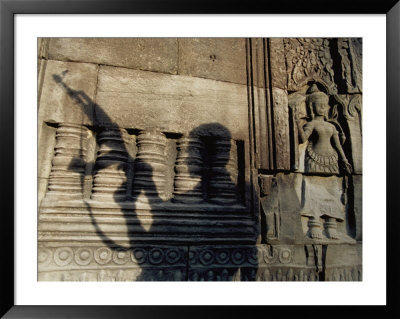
<point>188,187</point>
<point>110,179</point>
<point>224,172</point>
<point>150,180</point>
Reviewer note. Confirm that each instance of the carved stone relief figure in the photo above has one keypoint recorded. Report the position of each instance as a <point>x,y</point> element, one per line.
<point>323,197</point>
<point>322,156</point>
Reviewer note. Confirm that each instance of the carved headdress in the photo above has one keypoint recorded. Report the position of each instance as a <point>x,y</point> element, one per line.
<point>314,94</point>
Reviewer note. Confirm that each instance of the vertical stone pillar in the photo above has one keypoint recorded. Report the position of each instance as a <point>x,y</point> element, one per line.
<point>223,173</point>
<point>68,166</point>
<point>109,181</point>
<point>150,165</point>
<point>188,187</point>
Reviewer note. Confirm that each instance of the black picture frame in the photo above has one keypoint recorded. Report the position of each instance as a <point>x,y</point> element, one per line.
<point>8,10</point>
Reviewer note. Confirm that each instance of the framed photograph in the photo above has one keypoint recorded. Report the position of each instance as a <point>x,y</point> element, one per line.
<point>165,156</point>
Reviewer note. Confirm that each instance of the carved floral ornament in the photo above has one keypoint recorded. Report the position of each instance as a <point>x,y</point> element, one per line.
<point>307,59</point>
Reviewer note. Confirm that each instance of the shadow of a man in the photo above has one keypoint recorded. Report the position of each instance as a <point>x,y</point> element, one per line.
<point>207,172</point>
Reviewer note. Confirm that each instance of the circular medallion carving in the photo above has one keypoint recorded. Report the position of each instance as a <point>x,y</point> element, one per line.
<point>172,255</point>
<point>121,256</point>
<point>156,256</point>
<point>83,256</point>
<point>44,256</point>
<point>285,256</point>
<point>138,255</point>
<point>63,256</point>
<point>270,256</point>
<point>192,257</point>
<point>222,256</point>
<point>103,255</point>
<point>207,257</point>
<point>252,255</point>
<point>238,256</point>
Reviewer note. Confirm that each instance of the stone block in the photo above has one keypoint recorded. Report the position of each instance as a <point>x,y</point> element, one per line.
<point>289,186</point>
<point>354,119</point>
<point>278,65</point>
<point>222,59</point>
<point>357,187</point>
<point>281,124</point>
<point>153,54</point>
<point>343,263</point>
<point>68,92</point>
<point>266,184</point>
<point>170,103</point>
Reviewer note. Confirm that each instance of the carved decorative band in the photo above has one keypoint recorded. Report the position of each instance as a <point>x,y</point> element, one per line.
<point>54,258</point>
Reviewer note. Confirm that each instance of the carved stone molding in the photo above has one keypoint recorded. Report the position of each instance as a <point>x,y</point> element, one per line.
<point>150,166</point>
<point>68,165</point>
<point>110,176</point>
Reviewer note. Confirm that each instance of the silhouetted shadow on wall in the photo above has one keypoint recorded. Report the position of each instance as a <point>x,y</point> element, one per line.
<point>207,171</point>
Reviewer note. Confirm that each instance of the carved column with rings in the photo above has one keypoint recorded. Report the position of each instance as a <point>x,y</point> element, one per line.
<point>150,165</point>
<point>110,179</point>
<point>68,165</point>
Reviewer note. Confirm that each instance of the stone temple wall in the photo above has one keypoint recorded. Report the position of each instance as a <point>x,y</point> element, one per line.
<point>199,159</point>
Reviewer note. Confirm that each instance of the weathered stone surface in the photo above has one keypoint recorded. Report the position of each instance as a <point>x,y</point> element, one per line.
<point>222,59</point>
<point>343,263</point>
<point>281,124</point>
<point>290,230</point>
<point>42,48</point>
<point>357,184</point>
<point>42,187</point>
<point>71,104</point>
<point>308,59</point>
<point>350,51</point>
<point>277,60</point>
<point>354,121</point>
<point>170,103</point>
<point>226,162</point>
<point>266,184</point>
<point>153,54</point>
<point>46,143</point>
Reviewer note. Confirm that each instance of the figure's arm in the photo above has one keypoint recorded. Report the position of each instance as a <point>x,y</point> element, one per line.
<point>339,148</point>
<point>304,133</point>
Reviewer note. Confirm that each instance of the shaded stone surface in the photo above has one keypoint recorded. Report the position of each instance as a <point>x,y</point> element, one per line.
<point>56,105</point>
